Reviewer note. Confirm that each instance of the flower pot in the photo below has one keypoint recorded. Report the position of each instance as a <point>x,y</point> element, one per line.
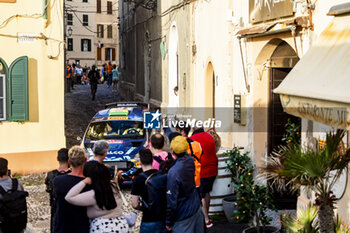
<point>228,204</point>
<point>267,229</point>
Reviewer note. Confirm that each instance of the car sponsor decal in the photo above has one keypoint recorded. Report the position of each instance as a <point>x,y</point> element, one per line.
<point>118,112</point>
<point>115,141</point>
<point>118,118</point>
<point>115,152</point>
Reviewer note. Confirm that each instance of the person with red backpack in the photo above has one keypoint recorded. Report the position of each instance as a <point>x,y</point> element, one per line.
<point>159,155</point>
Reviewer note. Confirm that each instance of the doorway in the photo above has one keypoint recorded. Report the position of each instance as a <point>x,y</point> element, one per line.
<point>209,95</point>
<point>281,63</point>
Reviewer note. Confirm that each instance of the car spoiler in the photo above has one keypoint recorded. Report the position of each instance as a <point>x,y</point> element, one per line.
<point>126,104</point>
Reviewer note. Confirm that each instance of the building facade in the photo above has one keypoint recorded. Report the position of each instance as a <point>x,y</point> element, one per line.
<point>31,84</point>
<point>107,36</point>
<point>140,58</point>
<point>80,31</point>
<point>229,54</point>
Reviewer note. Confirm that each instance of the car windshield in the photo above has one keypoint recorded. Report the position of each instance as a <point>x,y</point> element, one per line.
<point>115,130</point>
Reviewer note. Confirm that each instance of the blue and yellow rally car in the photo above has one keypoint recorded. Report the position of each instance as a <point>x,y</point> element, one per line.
<point>121,125</point>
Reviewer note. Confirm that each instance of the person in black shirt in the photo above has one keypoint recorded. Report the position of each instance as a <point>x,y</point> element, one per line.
<point>70,218</point>
<point>150,221</point>
<point>93,77</point>
<point>62,158</point>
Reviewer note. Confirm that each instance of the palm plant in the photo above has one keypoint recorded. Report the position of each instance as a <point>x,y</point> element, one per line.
<point>303,222</point>
<point>315,168</point>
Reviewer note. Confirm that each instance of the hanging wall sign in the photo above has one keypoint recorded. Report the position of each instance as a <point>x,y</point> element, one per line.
<point>237,109</point>
<point>263,10</point>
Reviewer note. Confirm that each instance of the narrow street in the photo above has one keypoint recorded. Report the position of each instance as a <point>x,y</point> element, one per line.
<point>79,109</point>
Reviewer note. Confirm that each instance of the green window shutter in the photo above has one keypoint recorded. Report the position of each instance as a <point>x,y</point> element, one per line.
<point>18,90</point>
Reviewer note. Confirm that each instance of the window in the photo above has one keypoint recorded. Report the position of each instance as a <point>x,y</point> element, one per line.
<point>85,45</point>
<point>100,31</point>
<point>70,44</point>
<point>109,31</point>
<point>98,6</point>
<point>14,90</point>
<point>109,8</point>
<point>69,19</point>
<point>110,54</point>
<point>99,54</point>
<point>85,0</point>
<point>85,20</point>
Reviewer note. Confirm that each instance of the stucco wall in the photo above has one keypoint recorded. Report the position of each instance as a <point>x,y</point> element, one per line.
<point>45,129</point>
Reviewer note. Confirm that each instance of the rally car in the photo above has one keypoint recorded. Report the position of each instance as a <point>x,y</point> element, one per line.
<point>121,125</point>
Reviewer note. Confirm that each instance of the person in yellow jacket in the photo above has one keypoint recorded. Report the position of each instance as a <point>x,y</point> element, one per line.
<point>194,149</point>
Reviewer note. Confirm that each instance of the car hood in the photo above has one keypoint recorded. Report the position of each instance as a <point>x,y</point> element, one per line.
<point>119,150</point>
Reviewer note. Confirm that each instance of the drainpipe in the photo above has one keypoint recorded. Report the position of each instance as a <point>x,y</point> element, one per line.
<point>243,65</point>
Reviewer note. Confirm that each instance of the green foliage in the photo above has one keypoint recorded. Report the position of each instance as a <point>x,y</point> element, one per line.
<point>238,164</point>
<point>339,226</point>
<point>292,134</point>
<point>315,168</point>
<point>303,223</point>
<point>252,200</point>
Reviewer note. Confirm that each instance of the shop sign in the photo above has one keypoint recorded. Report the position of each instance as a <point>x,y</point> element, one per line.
<point>237,109</point>
<point>263,10</point>
<point>327,112</point>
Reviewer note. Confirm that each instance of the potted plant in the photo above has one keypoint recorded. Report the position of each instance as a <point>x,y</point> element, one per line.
<point>239,166</point>
<point>314,168</point>
<point>251,200</point>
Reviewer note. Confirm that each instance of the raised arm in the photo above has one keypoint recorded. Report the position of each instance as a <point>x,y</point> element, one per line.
<point>74,196</point>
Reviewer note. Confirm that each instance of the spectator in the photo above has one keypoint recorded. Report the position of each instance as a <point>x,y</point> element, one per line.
<point>63,168</point>
<point>159,155</point>
<point>93,76</point>
<point>183,204</point>
<point>109,69</point>
<point>79,72</point>
<point>13,209</point>
<point>103,202</point>
<point>70,218</point>
<point>194,149</point>
<point>115,77</point>
<point>209,170</point>
<point>151,222</point>
<point>100,152</point>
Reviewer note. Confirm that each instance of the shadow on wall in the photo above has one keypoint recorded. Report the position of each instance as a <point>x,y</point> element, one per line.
<point>33,90</point>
